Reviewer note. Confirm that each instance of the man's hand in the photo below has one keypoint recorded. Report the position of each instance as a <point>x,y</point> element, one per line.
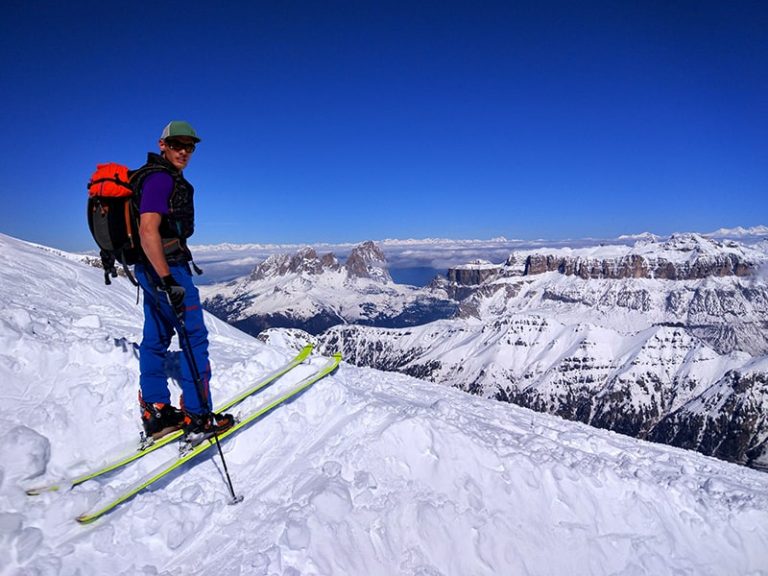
<point>175,294</point>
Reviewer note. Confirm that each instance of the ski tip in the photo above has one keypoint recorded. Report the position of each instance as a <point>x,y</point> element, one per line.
<point>85,519</point>
<point>42,490</point>
<point>304,353</point>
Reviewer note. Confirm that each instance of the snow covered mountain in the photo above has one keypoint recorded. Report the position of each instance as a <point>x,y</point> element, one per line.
<point>716,290</point>
<point>624,336</point>
<point>660,340</point>
<point>740,232</point>
<point>366,473</point>
<point>313,292</point>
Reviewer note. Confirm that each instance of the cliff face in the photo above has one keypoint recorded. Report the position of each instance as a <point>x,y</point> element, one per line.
<point>637,266</point>
<point>682,257</point>
<point>368,261</point>
<point>474,273</point>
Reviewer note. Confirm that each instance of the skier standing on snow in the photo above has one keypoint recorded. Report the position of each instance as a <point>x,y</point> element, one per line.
<point>171,300</point>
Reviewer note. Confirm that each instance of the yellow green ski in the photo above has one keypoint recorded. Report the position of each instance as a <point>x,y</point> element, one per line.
<point>145,449</point>
<point>172,465</point>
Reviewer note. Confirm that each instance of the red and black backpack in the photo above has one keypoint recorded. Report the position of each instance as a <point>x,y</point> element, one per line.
<point>113,215</point>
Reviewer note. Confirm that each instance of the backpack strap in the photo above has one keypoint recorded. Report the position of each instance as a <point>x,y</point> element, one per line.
<point>108,262</point>
<point>136,177</point>
<point>136,180</point>
<point>128,274</point>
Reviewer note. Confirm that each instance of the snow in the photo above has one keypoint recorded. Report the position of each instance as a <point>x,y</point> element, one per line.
<point>366,473</point>
<point>739,232</point>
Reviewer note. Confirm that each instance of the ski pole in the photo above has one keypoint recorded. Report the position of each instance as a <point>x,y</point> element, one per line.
<point>187,348</point>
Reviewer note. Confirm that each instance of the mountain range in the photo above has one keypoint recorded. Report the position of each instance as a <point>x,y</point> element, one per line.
<point>658,338</point>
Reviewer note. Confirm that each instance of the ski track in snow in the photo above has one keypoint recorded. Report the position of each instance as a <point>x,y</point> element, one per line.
<point>366,473</point>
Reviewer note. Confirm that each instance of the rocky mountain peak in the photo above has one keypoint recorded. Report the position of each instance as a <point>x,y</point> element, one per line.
<point>365,261</point>
<point>304,261</point>
<point>368,261</point>
<point>686,242</point>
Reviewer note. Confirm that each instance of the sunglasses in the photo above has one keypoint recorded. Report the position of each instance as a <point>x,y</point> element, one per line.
<point>178,146</point>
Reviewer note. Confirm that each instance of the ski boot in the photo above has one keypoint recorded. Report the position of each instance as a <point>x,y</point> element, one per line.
<point>159,419</point>
<point>198,427</point>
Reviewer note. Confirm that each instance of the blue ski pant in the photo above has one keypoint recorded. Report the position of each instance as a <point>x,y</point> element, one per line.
<point>160,322</point>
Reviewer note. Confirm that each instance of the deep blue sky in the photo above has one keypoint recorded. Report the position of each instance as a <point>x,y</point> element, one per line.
<point>334,121</point>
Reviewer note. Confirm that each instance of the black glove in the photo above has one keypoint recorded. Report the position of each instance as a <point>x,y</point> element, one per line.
<point>174,293</point>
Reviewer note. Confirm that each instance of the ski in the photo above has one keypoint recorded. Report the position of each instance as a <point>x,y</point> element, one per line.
<point>148,447</point>
<point>195,451</point>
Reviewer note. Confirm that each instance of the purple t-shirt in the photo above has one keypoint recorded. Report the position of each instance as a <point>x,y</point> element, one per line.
<point>155,193</point>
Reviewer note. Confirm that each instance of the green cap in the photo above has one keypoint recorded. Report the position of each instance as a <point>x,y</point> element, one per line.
<point>179,128</point>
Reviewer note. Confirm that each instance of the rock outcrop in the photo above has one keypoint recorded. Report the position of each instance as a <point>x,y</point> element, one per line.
<point>682,257</point>
<point>305,261</point>
<point>368,261</point>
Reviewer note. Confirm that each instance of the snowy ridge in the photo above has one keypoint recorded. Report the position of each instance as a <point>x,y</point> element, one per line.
<point>739,232</point>
<point>678,249</point>
<point>366,473</point>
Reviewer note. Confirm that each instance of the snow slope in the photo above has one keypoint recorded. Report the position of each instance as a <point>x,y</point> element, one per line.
<point>367,473</point>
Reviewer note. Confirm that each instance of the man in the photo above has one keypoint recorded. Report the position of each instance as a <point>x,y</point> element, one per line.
<point>171,300</point>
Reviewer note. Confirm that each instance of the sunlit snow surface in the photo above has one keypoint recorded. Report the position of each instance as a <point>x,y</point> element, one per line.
<point>367,473</point>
